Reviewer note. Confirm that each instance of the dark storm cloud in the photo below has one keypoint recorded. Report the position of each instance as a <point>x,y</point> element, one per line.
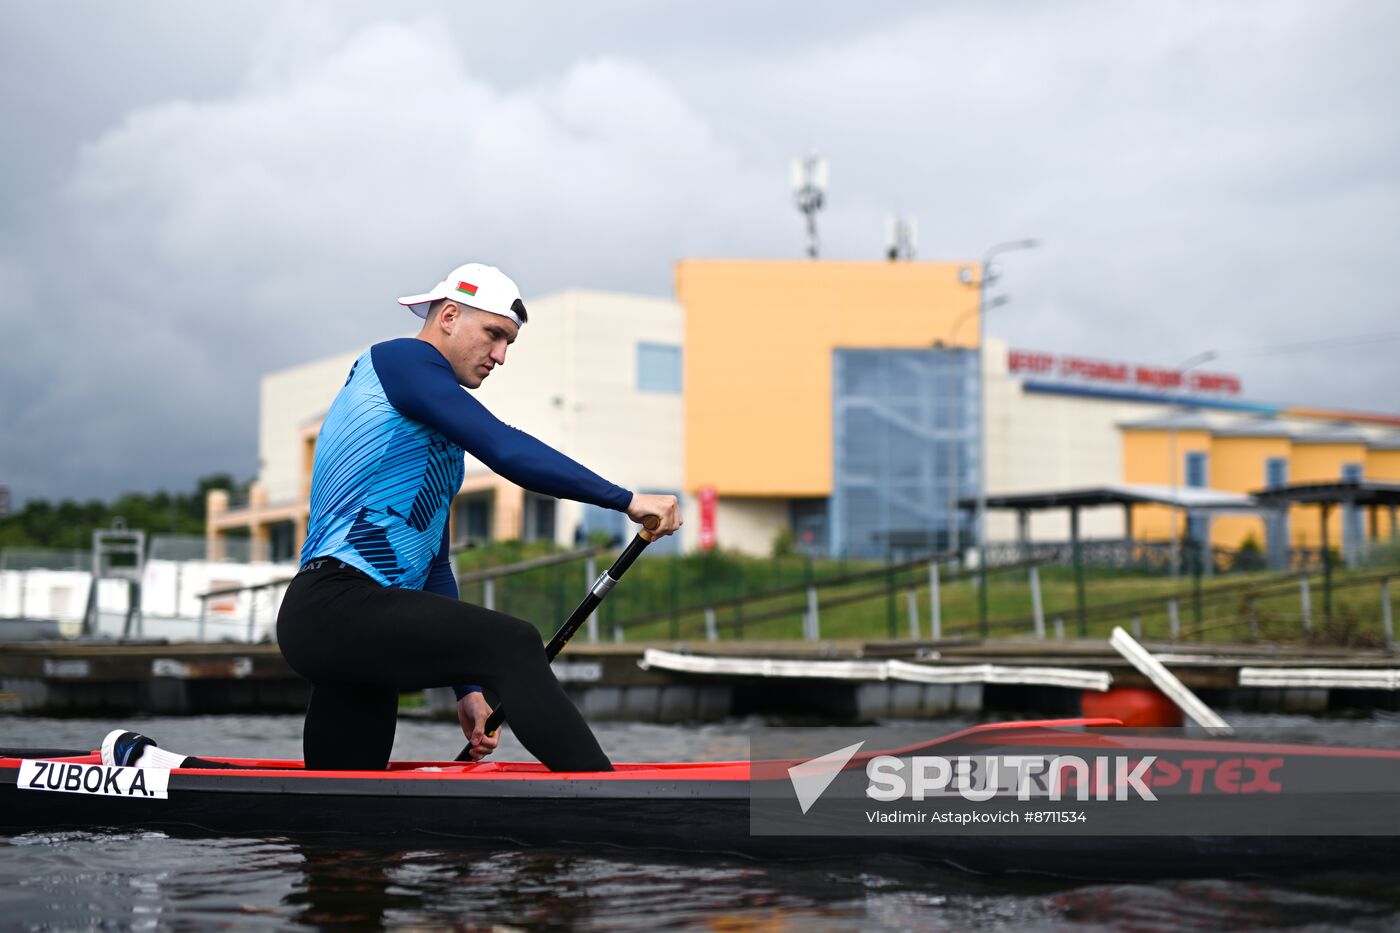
<point>189,208</point>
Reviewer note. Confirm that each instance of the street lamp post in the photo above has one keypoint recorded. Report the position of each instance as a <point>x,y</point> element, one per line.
<point>955,509</point>
<point>1184,367</point>
<point>986,277</point>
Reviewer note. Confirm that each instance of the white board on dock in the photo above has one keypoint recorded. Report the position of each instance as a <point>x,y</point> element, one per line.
<point>1167,682</point>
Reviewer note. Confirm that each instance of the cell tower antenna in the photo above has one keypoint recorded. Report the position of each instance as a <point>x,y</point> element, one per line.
<point>901,238</point>
<point>809,177</point>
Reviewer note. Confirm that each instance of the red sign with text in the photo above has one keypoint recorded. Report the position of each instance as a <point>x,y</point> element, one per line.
<point>1083,369</point>
<point>708,500</point>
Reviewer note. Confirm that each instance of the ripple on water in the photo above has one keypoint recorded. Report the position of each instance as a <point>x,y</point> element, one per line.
<point>147,880</point>
<point>140,880</point>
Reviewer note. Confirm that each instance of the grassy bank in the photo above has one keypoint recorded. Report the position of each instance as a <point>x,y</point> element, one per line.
<point>663,596</point>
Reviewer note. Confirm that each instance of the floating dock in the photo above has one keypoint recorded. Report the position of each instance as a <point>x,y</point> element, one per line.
<point>676,682</point>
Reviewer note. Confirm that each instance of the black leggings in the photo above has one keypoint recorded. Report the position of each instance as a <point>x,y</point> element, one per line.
<point>360,643</point>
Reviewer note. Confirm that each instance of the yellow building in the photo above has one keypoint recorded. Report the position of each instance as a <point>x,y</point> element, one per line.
<point>1150,448</point>
<point>759,337</point>
<point>795,397</point>
<point>1245,457</point>
<point>759,343</point>
<point>1383,465</point>
<point>1326,453</point>
<point>1246,454</point>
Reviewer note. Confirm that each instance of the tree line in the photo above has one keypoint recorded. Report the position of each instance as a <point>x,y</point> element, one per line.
<point>70,524</point>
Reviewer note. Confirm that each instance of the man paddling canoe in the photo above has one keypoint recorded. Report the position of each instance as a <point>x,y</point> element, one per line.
<point>375,609</point>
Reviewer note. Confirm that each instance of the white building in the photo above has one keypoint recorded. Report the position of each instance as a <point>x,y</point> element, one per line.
<point>596,375</point>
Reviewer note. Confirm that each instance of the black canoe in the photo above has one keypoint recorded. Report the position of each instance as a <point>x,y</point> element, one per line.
<point>1221,807</point>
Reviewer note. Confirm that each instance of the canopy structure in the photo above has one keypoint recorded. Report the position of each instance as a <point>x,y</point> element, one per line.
<point>1350,494</point>
<point>1128,494</point>
<point>1275,500</point>
<point>1186,498</point>
<point>1340,492</point>
<point>1189,499</point>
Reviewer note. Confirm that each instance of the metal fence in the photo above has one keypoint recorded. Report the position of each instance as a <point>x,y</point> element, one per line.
<point>1356,611</point>
<point>159,547</point>
<point>184,547</point>
<point>241,613</point>
<point>1151,557</point>
<point>813,607</point>
<point>1032,591</point>
<point>46,559</point>
<point>541,590</point>
<point>930,598</point>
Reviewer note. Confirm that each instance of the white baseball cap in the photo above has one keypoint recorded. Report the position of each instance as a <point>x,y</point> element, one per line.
<point>485,288</point>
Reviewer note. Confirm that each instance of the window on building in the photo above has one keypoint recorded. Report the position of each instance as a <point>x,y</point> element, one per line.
<point>281,541</point>
<point>539,517</point>
<point>1352,535</point>
<point>1276,520</point>
<point>472,523</point>
<point>659,368</point>
<point>1196,470</point>
<point>600,525</point>
<point>1197,525</point>
<point>810,531</point>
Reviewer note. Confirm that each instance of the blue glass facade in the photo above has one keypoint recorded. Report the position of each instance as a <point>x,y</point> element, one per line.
<point>904,444</point>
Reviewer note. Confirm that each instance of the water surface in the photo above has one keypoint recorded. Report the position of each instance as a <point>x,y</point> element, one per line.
<point>148,880</point>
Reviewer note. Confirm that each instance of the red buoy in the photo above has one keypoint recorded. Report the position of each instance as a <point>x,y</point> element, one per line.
<point>1144,707</point>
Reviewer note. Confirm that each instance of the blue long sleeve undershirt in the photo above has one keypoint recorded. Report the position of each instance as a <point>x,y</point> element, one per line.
<point>419,382</point>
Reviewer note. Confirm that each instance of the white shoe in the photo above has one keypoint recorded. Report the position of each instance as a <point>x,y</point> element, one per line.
<point>124,749</point>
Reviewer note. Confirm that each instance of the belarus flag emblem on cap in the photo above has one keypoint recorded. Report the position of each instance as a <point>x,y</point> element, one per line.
<point>466,288</point>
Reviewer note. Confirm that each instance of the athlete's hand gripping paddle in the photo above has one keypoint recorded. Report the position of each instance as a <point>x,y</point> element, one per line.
<point>604,583</point>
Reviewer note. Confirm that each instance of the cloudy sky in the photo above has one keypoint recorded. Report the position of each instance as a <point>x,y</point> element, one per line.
<point>196,194</point>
